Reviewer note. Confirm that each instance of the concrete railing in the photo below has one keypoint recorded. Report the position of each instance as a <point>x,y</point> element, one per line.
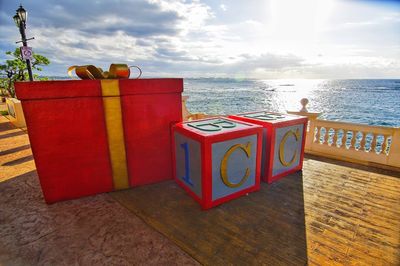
<point>15,112</point>
<point>370,145</point>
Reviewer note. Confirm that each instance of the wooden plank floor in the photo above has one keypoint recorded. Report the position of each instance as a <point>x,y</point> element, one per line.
<point>352,214</point>
<point>330,214</point>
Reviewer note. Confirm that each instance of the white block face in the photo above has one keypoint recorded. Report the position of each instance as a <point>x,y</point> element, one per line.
<point>233,165</point>
<point>188,163</point>
<point>287,148</point>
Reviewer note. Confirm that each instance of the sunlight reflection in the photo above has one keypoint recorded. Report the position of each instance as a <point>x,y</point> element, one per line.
<point>288,92</point>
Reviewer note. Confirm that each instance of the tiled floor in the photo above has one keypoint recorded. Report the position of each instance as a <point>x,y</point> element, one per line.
<point>90,231</point>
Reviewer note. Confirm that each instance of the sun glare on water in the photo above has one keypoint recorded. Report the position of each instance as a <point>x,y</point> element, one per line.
<point>288,92</point>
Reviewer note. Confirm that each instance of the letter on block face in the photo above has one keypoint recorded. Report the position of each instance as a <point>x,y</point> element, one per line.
<point>296,135</point>
<point>188,163</point>
<point>233,165</point>
<point>224,165</point>
<point>186,178</point>
<point>287,148</point>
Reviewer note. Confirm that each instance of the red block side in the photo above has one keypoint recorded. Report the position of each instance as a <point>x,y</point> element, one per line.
<point>68,140</point>
<point>148,112</point>
<point>270,151</point>
<point>206,160</point>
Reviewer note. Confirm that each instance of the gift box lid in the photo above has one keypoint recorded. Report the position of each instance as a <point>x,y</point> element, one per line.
<point>57,89</point>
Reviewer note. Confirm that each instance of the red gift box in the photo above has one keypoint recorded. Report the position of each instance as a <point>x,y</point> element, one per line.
<point>94,136</point>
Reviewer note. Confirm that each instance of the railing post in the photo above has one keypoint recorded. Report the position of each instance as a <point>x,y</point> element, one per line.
<point>312,117</point>
<point>185,111</point>
<point>394,154</point>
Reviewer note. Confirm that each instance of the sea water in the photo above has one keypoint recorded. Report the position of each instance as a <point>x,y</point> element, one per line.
<point>372,102</point>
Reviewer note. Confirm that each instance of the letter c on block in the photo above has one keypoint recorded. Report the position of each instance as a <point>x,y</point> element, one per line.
<point>282,147</point>
<point>224,165</point>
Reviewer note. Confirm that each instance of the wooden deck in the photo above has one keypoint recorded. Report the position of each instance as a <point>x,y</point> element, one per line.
<point>330,214</point>
<point>352,214</point>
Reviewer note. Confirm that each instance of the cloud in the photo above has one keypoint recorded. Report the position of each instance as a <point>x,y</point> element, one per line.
<point>270,61</point>
<point>74,32</point>
<point>243,65</point>
<point>195,38</point>
<point>138,18</point>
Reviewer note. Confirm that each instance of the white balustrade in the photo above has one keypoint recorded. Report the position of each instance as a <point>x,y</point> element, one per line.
<point>370,145</point>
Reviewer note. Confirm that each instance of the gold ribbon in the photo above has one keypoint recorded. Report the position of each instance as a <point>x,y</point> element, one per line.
<point>113,115</point>
<point>115,132</point>
<point>116,71</point>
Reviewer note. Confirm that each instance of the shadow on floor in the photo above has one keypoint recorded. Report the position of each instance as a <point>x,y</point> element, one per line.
<point>265,227</point>
<point>19,161</point>
<point>19,178</point>
<point>12,134</point>
<point>13,150</point>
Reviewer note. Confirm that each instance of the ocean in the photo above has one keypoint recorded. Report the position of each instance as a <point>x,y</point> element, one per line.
<point>372,102</point>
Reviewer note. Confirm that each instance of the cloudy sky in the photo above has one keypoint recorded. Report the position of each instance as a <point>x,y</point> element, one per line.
<point>215,38</point>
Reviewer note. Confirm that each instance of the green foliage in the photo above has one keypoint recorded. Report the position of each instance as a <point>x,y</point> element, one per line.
<point>4,113</point>
<point>15,69</point>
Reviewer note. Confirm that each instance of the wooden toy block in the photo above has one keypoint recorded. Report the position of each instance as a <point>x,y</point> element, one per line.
<point>283,142</point>
<point>217,159</point>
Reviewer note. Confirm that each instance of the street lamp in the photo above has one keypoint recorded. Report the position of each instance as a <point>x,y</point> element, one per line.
<point>20,20</point>
<point>17,20</point>
<point>22,13</point>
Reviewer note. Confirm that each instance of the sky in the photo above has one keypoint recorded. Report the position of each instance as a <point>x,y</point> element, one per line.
<point>267,39</point>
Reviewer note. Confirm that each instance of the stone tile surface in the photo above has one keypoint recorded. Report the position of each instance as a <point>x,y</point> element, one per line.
<point>94,230</point>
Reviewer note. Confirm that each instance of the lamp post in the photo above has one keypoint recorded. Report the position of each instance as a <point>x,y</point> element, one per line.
<point>20,20</point>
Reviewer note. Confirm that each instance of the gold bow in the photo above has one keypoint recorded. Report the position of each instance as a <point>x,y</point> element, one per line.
<point>117,71</point>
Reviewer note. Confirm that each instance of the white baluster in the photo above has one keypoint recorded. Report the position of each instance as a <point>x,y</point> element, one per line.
<point>362,141</point>
<point>317,134</point>
<point>335,137</point>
